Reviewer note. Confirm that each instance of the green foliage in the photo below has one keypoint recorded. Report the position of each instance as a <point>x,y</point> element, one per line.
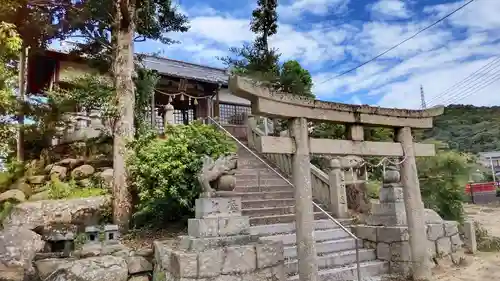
<point>468,128</point>
<point>373,188</point>
<point>94,20</point>
<point>442,182</point>
<point>5,209</point>
<point>67,190</point>
<point>164,171</point>
<point>296,80</point>
<point>145,85</point>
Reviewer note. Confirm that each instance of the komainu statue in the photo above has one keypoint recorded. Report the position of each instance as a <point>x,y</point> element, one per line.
<point>217,175</point>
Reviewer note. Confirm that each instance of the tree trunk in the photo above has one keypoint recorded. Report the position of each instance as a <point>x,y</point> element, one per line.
<point>23,57</point>
<point>123,69</point>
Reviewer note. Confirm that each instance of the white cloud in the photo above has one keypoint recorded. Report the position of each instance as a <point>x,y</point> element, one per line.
<point>437,58</point>
<point>316,7</point>
<point>390,9</point>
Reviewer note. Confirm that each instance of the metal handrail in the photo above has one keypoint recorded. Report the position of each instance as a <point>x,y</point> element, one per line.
<point>358,268</point>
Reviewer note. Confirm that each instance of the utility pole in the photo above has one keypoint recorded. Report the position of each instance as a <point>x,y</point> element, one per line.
<point>422,97</point>
<point>493,171</point>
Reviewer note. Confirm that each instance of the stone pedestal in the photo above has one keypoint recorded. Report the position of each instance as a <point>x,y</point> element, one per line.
<point>386,229</point>
<point>219,247</point>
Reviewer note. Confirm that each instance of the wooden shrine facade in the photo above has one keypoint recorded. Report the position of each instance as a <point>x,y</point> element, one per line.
<point>195,91</point>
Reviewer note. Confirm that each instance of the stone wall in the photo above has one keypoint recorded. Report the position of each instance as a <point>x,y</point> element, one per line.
<point>112,262</point>
<point>386,228</point>
<point>392,242</point>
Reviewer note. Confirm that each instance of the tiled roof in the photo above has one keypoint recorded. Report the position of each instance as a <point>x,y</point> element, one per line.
<point>186,70</point>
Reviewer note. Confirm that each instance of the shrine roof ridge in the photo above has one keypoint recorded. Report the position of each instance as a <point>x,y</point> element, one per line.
<point>246,88</point>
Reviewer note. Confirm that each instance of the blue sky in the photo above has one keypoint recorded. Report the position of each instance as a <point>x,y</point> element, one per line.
<point>329,36</point>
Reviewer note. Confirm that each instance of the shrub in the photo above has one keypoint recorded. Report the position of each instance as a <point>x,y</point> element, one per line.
<point>442,182</point>
<point>164,171</point>
<point>67,190</point>
<point>373,189</point>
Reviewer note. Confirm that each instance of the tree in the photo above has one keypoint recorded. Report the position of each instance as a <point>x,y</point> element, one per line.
<point>296,80</point>
<point>257,60</point>
<point>10,45</point>
<point>442,182</point>
<point>112,27</point>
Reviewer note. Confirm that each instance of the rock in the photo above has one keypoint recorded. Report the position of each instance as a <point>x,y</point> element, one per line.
<point>36,179</point>
<point>431,217</point>
<point>85,183</point>
<point>18,247</point>
<point>139,278</point>
<point>107,176</point>
<point>80,211</point>
<point>145,252</point>
<point>13,195</point>
<point>82,172</point>
<point>90,250</point>
<point>59,171</point>
<point>105,268</point>
<point>101,161</point>
<point>43,195</point>
<point>137,264</point>
<point>48,168</point>
<point>45,267</point>
<point>70,163</point>
<point>24,187</point>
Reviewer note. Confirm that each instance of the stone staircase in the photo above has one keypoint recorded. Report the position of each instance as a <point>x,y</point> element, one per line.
<point>269,202</point>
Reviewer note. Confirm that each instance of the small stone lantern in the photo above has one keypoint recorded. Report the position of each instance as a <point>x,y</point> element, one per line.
<point>111,233</point>
<point>92,233</point>
<point>60,239</point>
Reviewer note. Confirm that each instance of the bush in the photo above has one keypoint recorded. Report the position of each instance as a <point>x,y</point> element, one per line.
<point>67,190</point>
<point>373,189</point>
<point>442,182</point>
<point>164,171</point>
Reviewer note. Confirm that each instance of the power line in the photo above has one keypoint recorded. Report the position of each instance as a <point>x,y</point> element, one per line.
<point>400,43</point>
<point>472,91</point>
<point>477,83</point>
<point>466,80</point>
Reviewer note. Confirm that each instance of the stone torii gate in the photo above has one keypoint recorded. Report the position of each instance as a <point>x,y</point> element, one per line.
<point>299,111</point>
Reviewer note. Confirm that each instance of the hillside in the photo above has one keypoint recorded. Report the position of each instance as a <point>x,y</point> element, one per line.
<point>468,128</point>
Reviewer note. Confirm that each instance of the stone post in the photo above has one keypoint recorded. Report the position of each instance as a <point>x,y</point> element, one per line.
<point>251,123</point>
<point>169,115</point>
<point>414,207</point>
<point>338,201</point>
<point>304,221</point>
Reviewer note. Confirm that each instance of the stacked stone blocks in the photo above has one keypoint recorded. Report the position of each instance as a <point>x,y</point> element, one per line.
<point>387,231</point>
<point>219,247</point>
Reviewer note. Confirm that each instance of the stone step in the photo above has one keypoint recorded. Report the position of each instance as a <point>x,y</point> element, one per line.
<point>334,260</point>
<point>256,177</point>
<point>266,203</point>
<point>288,218</point>
<point>264,171</point>
<point>269,211</point>
<point>272,188</point>
<point>257,195</point>
<point>323,247</point>
<point>319,235</point>
<point>262,182</point>
<point>349,272</point>
<point>279,228</point>
<point>251,164</point>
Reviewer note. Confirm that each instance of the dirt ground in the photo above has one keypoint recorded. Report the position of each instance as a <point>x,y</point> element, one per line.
<point>481,266</point>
